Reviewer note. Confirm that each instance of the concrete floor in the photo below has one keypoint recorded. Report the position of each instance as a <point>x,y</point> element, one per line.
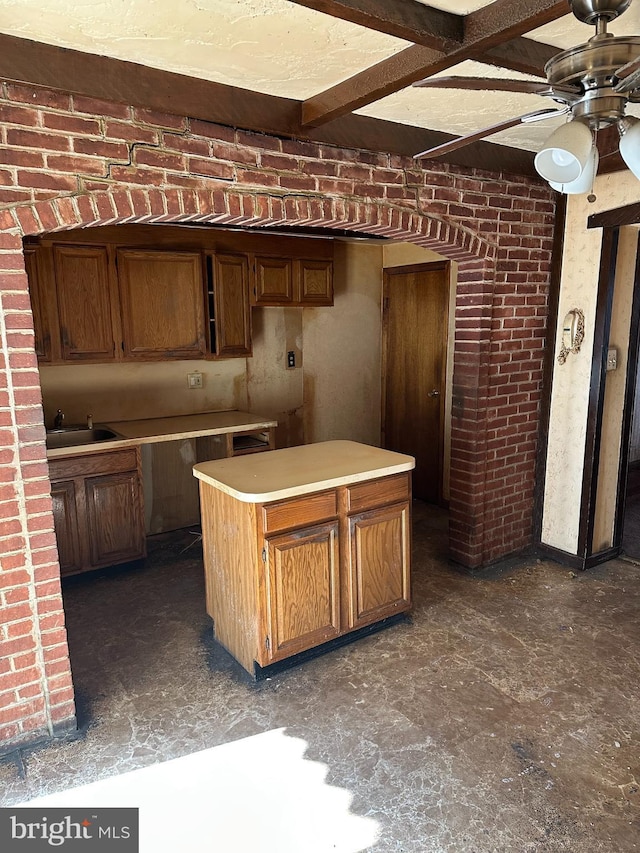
<point>503,717</point>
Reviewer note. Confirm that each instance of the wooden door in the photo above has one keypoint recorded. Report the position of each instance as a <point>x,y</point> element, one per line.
<point>162,295</point>
<point>115,520</point>
<point>66,523</point>
<point>231,331</point>
<point>415,321</point>
<point>379,564</point>
<point>84,303</point>
<point>303,582</point>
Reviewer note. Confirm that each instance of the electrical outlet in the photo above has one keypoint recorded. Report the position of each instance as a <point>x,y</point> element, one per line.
<point>194,380</point>
<point>612,358</point>
<point>291,358</point>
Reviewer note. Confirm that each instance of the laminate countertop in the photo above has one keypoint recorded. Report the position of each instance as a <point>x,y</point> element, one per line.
<point>153,430</point>
<point>292,471</point>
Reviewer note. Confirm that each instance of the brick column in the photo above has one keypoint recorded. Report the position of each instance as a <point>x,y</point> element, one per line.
<point>36,693</point>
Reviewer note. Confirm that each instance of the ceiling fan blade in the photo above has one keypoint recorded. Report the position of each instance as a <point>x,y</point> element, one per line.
<point>500,84</point>
<point>628,76</point>
<point>461,141</point>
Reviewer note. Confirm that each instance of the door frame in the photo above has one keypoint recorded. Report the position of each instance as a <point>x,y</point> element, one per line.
<point>445,266</point>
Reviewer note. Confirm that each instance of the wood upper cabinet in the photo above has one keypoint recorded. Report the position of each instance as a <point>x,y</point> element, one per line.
<point>315,282</point>
<point>98,509</point>
<point>85,303</point>
<point>229,312</point>
<point>293,281</point>
<point>38,293</point>
<point>141,293</point>
<point>273,281</point>
<point>162,299</point>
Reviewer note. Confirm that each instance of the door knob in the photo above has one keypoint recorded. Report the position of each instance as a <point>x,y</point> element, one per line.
<point>433,393</point>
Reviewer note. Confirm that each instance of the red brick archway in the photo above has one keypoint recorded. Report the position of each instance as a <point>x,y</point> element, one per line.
<point>35,646</point>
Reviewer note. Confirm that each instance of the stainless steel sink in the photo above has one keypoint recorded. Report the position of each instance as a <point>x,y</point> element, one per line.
<point>72,436</point>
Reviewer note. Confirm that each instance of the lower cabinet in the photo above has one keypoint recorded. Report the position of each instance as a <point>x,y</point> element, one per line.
<point>303,587</point>
<point>287,576</point>
<point>98,509</point>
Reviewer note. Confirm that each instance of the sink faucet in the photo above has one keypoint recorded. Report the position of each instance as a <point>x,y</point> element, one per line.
<point>59,418</point>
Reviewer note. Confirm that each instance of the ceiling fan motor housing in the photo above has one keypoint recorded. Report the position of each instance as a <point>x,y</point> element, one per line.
<point>590,11</point>
<point>592,67</point>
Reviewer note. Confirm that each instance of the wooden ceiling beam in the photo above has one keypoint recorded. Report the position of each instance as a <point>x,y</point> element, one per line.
<point>519,54</point>
<point>78,73</point>
<point>485,29</point>
<point>406,20</point>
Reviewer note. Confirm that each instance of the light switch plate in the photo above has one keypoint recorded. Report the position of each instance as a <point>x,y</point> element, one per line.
<point>194,380</point>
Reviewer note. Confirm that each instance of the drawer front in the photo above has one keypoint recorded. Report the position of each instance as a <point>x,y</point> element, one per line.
<point>373,493</point>
<point>299,512</point>
<point>110,462</point>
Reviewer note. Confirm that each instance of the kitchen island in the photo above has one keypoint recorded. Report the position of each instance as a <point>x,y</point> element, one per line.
<point>304,546</point>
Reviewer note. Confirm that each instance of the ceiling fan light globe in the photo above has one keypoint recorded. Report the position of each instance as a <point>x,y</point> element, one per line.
<point>630,146</point>
<point>561,157</point>
<point>584,183</point>
<point>564,155</point>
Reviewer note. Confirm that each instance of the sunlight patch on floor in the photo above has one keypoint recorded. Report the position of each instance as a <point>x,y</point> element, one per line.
<point>258,794</point>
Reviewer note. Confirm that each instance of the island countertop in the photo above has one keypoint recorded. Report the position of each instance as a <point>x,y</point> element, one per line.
<point>292,471</point>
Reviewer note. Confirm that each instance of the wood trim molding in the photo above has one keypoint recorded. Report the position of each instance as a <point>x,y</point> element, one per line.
<point>616,218</point>
<point>602,320</point>
<point>549,362</point>
<point>484,29</point>
<point>629,401</point>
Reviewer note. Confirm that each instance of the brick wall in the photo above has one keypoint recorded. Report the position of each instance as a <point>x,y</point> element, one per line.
<point>70,161</point>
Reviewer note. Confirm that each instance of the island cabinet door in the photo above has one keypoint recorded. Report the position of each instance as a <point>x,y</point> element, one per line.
<point>378,557</point>
<point>303,590</point>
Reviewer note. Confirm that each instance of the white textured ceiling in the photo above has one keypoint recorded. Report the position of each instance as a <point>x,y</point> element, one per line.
<point>280,48</point>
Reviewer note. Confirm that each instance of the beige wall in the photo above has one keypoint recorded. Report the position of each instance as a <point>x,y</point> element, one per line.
<point>118,392</point>
<point>342,351</point>
<point>571,381</point>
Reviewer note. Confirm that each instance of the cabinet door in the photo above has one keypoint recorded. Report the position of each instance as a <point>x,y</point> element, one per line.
<point>65,518</point>
<point>84,303</point>
<point>315,282</point>
<point>115,520</point>
<point>41,320</point>
<point>231,330</point>
<point>302,590</point>
<point>162,298</point>
<point>379,564</point>
<point>273,281</point>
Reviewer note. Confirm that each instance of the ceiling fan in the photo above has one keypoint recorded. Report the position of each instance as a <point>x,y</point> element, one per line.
<point>592,82</point>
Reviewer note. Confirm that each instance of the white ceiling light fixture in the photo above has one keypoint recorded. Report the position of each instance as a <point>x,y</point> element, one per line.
<point>629,129</point>
<point>565,154</point>
<point>594,82</point>
<point>584,183</point>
